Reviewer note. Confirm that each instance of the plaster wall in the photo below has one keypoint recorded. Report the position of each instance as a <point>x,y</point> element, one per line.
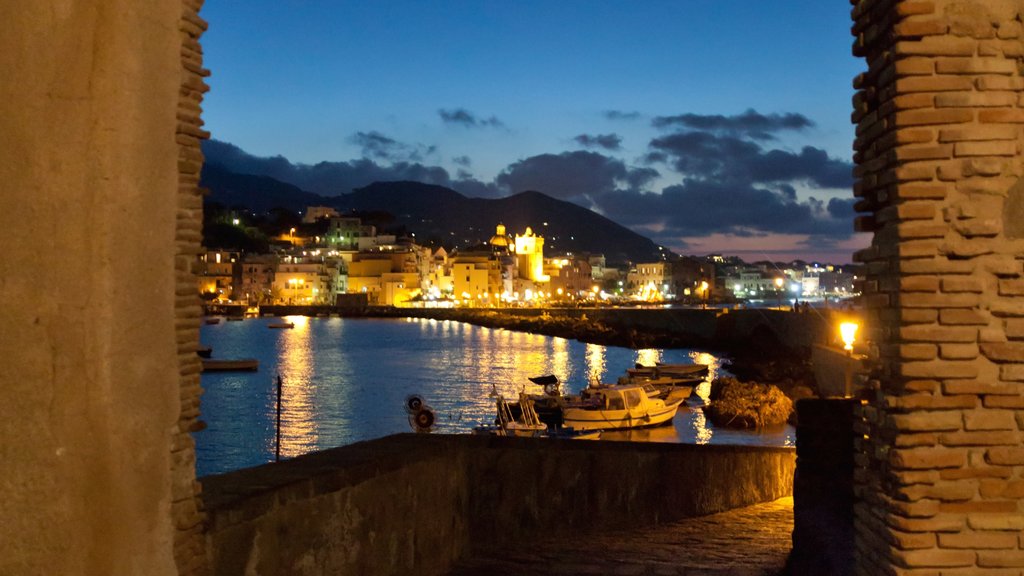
<point>89,391</point>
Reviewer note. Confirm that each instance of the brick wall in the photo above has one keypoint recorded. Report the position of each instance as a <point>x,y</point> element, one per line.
<point>939,115</point>
<point>189,543</point>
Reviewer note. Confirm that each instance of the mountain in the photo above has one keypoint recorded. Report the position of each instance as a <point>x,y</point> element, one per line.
<point>439,215</point>
<point>436,212</point>
<point>258,193</point>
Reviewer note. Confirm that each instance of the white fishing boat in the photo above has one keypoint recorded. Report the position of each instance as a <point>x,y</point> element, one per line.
<point>618,408</point>
<point>527,424</point>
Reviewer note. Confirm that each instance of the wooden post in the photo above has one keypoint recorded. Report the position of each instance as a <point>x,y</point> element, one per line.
<point>277,445</point>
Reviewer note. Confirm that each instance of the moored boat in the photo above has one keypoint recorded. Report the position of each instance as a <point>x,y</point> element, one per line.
<point>284,325</point>
<point>617,408</point>
<point>240,365</point>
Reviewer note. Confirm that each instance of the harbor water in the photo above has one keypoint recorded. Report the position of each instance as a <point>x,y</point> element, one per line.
<point>346,380</point>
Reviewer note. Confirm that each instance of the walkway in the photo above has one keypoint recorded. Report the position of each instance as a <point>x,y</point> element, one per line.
<point>750,541</point>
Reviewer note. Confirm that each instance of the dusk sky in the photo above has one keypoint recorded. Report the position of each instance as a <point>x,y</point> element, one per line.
<point>709,126</point>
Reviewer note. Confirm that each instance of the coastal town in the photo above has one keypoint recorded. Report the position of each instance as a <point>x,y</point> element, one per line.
<point>338,260</point>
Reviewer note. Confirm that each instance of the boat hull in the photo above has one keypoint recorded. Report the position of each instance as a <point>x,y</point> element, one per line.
<point>608,419</point>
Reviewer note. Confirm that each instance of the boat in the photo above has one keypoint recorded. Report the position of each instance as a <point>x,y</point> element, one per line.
<point>234,318</point>
<point>618,407</point>
<point>281,325</point>
<point>527,423</point>
<point>241,365</point>
<point>204,351</point>
<point>211,320</point>
<point>694,372</point>
<point>252,312</point>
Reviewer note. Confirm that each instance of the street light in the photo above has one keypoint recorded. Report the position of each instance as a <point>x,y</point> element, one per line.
<point>778,290</point>
<point>704,293</point>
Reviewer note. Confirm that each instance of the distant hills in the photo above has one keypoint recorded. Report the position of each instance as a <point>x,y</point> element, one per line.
<point>439,215</point>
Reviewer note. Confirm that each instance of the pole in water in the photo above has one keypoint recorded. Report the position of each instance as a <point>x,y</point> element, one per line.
<point>277,449</point>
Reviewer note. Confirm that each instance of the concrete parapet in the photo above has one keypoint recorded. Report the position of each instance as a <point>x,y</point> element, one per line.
<point>416,504</point>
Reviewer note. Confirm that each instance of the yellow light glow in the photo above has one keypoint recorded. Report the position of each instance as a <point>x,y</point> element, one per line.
<point>778,282</point>
<point>703,286</point>
<point>848,332</point>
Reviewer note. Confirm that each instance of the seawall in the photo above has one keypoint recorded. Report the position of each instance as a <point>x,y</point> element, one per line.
<point>417,503</point>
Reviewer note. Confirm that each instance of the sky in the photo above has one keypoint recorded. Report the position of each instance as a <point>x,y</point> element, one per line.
<point>710,126</point>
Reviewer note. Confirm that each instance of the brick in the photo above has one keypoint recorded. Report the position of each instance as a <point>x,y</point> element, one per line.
<point>983,438</point>
<point>1007,402</point>
<point>936,46</point>
<point>910,540</point>
<point>1003,351</point>
<point>930,85</point>
<point>967,248</point>
<point>938,369</point>
<point>1009,30</point>
<point>993,186</point>
<point>932,401</point>
<point>991,99</point>
<point>914,172</point>
<point>928,458</point>
<point>915,7</point>
<point>937,266</point>
<point>986,166</point>
<point>1012,373</point>
<point>918,351</point>
<point>1014,522</point>
<point>961,317</point>
<point>986,83</point>
<point>942,300</point>
<point>918,249</point>
<point>927,421</point>
<point>1004,268</point>
<point>957,387</point>
<point>1014,328</point>
<point>914,387</point>
<point>975,66</point>
<point>909,440</point>
<point>935,557</point>
<point>912,153</point>
<point>979,133</point>
<point>918,316</point>
<point>911,230</point>
<point>938,334</point>
<point>958,352</point>
<point>990,506</point>
<point>914,66</point>
<point>993,148</point>
<point>979,541</point>
<point>975,471</point>
<point>989,420</point>
<point>1004,456</point>
<point>951,171</point>
<point>978,228</point>
<point>918,28</point>
<point>1000,558</point>
<point>943,492</point>
<point>1004,308</point>
<point>922,191</point>
<point>991,488</point>
<point>930,117</point>
<point>945,523</point>
<point>1008,287</point>
<point>1001,115</point>
<point>919,284</point>
<point>991,335</point>
<point>961,285</point>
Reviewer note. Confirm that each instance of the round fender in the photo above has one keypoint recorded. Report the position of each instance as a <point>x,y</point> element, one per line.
<point>413,403</point>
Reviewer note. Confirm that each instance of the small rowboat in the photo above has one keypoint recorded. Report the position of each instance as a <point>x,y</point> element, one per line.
<point>281,325</point>
<point>241,365</point>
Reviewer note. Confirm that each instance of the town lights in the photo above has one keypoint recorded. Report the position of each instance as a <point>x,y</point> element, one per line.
<point>848,333</point>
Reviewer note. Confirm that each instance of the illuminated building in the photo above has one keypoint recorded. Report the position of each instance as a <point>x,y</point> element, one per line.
<point>215,276</point>
<point>530,256</point>
<point>314,213</point>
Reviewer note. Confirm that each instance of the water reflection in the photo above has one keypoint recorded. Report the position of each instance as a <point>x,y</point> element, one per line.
<point>346,380</point>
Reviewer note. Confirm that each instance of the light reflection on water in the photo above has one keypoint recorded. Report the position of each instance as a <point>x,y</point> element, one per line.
<point>345,380</point>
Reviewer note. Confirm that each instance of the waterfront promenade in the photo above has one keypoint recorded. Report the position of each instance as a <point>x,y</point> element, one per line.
<point>751,541</point>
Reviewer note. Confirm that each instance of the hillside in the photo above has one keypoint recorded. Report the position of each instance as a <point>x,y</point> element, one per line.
<point>435,212</point>
<point>440,215</point>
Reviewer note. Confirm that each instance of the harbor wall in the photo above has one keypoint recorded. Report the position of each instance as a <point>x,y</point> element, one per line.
<point>418,503</point>
<point>717,328</point>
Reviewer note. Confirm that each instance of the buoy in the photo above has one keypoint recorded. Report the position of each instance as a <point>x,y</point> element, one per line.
<point>413,403</point>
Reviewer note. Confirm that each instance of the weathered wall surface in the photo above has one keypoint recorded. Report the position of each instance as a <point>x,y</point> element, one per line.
<point>414,504</point>
<point>89,390</point>
<point>939,117</point>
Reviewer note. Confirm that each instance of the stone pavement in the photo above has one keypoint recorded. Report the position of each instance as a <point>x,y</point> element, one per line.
<point>752,541</point>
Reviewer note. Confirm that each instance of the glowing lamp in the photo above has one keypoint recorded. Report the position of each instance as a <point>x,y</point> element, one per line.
<point>848,332</point>
<point>778,282</point>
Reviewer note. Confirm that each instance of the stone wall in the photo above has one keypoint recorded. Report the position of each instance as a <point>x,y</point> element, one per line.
<point>186,511</point>
<point>91,443</point>
<point>939,116</point>
<point>415,504</point>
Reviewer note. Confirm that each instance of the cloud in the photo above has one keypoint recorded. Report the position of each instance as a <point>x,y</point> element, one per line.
<point>463,117</point>
<point>750,123</point>
<point>726,158</point>
<point>572,175</point>
<point>463,161</point>
<point>621,115</point>
<point>377,146</point>
<point>606,141</point>
<point>333,178</point>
